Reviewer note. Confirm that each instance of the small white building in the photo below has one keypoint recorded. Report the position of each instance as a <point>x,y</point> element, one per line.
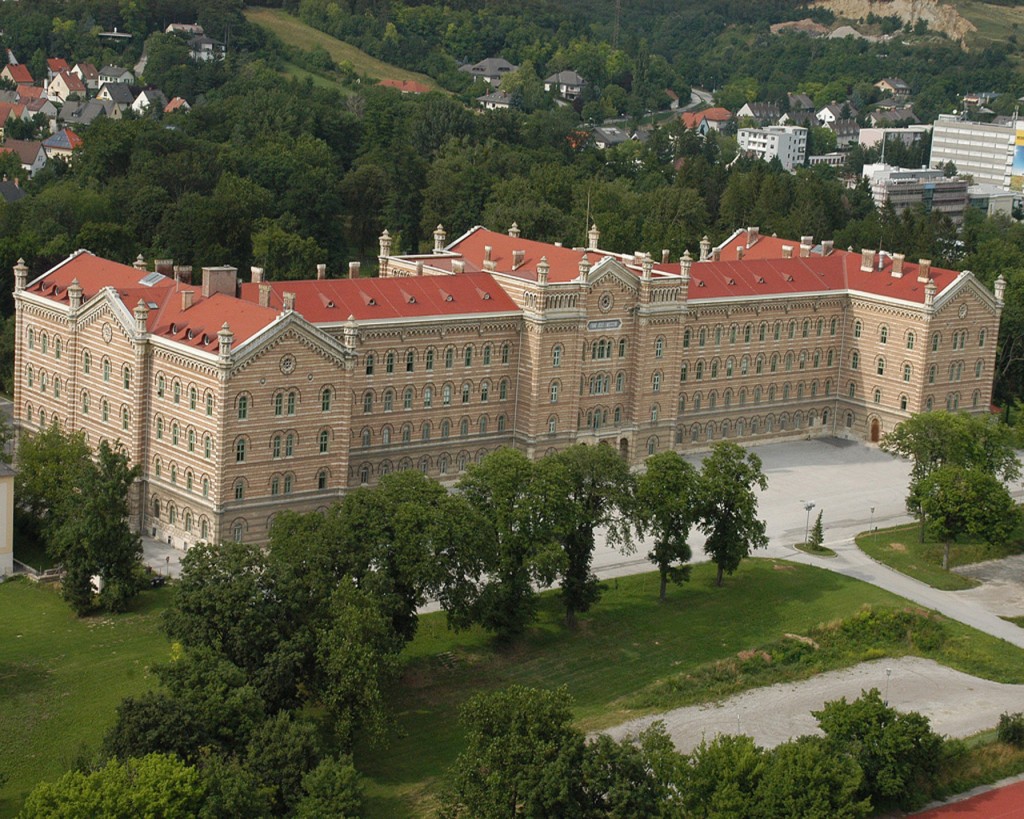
<point>787,143</point>
<point>566,84</point>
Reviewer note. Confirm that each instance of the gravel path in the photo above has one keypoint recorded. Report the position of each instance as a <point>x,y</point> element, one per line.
<point>956,703</point>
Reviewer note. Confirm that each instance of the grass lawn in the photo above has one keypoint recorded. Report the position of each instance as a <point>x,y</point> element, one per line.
<point>294,72</point>
<point>294,32</point>
<point>62,677</point>
<point>900,549</point>
<point>994,22</point>
<point>1017,621</point>
<point>616,664</point>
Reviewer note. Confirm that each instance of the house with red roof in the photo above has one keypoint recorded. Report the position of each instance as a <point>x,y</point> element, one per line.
<point>64,85</point>
<point>62,144</point>
<point>88,74</point>
<point>30,153</point>
<point>177,104</point>
<point>406,86</point>
<point>17,73</point>
<point>240,396</point>
<point>710,119</point>
<point>54,65</point>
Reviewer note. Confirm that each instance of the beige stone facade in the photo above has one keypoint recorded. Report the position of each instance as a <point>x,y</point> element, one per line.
<point>244,400</point>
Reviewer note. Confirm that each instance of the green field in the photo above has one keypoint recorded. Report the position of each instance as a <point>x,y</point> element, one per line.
<point>294,32</point>
<point>993,22</point>
<point>61,679</point>
<point>615,664</point>
<point>901,549</point>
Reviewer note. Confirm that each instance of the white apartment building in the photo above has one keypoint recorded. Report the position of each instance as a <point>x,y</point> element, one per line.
<point>903,188</point>
<point>788,143</point>
<point>982,150</point>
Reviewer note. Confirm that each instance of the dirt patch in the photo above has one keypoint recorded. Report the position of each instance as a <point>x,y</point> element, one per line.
<point>940,16</point>
<point>957,704</point>
<point>897,547</point>
<point>800,638</point>
<point>1002,585</point>
<point>781,568</point>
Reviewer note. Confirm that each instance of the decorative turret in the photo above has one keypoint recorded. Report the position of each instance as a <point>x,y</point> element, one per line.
<point>593,238</point>
<point>1000,289</point>
<point>514,231</point>
<point>705,248</point>
<point>543,268</point>
<point>584,267</point>
<point>141,317</point>
<point>929,296</point>
<point>225,338</point>
<point>20,276</point>
<point>385,243</point>
<point>140,262</point>
<point>685,263</point>
<point>75,295</point>
<point>647,265</point>
<point>439,238</point>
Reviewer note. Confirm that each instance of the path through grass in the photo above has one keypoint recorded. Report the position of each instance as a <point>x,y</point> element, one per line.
<point>62,677</point>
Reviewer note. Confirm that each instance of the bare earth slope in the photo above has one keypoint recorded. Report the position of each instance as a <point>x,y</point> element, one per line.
<point>940,16</point>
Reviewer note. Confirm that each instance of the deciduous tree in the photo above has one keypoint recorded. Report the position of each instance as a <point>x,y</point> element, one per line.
<point>666,508</point>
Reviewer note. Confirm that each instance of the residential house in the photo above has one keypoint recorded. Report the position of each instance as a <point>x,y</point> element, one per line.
<point>763,113</point>
<point>30,153</point>
<point>63,85</point>
<point>149,98</point>
<point>566,84</point>
<point>62,144</point>
<point>204,49</point>
<point>495,101</point>
<point>893,86</point>
<point>54,65</point>
<point>833,111</point>
<point>9,58</point>
<point>406,86</point>
<point>88,74</point>
<point>44,107</point>
<point>710,119</point>
<point>27,93</point>
<point>608,136</point>
<point>491,70</point>
<point>892,116</point>
<point>84,113</point>
<point>799,102</point>
<point>11,190</point>
<point>787,143</point>
<point>18,74</point>
<point>177,104</point>
<point>805,119</point>
<point>9,111</point>
<point>847,132</point>
<point>115,74</point>
<point>119,94</point>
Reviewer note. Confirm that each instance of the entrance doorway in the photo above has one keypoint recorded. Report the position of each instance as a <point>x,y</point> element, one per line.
<point>624,448</point>
<point>876,429</point>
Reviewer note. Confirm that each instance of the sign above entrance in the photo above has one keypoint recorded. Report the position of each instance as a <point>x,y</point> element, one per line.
<point>604,324</point>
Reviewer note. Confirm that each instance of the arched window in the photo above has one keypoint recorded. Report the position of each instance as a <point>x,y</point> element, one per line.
<point>324,440</point>
<point>506,351</point>
<point>656,382</point>
<point>465,392</point>
<point>503,390</point>
<point>410,361</point>
<point>552,425</point>
<point>207,447</point>
<point>857,329</point>
<point>428,363</point>
<point>620,382</point>
<point>428,397</point>
<point>446,429</point>
<point>832,327</point>
<point>906,373</point>
<point>240,450</point>
<point>880,366</point>
<point>191,439</point>
<point>981,340</point>
<point>425,431</point>
<point>369,363</point>
<point>877,396</point>
<point>389,400</point>
<point>686,338</point>
<point>193,398</point>
<point>483,424</point>
<point>243,407</point>
<point>699,371</point>
<point>556,356</point>
<point>389,362</point>
<point>174,432</point>
<point>659,347</point>
<point>279,404</point>
<point>554,392</point>
<point>702,337</point>
<point>321,479</point>
<point>467,356</point>
<point>854,360</point>
<point>291,402</point>
<point>106,370</point>
<point>682,372</point>
<point>464,427</point>
<point>275,446</point>
<point>385,436</point>
<point>903,402</point>
<point>367,403</point>
<point>935,342</point>
<point>325,399</point>
<point>485,391</point>
<point>407,398</point>
<point>883,334</point>
<point>406,433</point>
<point>449,358</point>
<point>87,365</point>
<point>487,355</point>
<point>289,445</point>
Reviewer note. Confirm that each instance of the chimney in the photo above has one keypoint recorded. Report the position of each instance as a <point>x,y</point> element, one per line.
<point>924,270</point>
<point>518,256</point>
<point>164,266</point>
<point>186,299</point>
<point>716,255</point>
<point>1000,289</point>
<point>806,243</point>
<point>140,262</point>
<point>787,251</point>
<point>685,263</point>
<point>75,295</point>
<point>439,237</point>
<point>542,270</point>
<point>867,260</point>
<point>514,231</point>
<point>183,273</point>
<point>487,253</point>
<point>264,294</point>
<point>664,255</point>
<point>705,248</point>
<point>141,316</point>
<point>289,301</point>
<point>753,234</point>
<point>458,266</point>
<point>20,276</point>
<point>225,338</point>
<point>897,265</point>
<point>321,272</point>
<point>222,279</point>
<point>353,270</point>
<point>593,238</point>
<point>739,253</point>
<point>826,247</point>
<point>257,274</point>
<point>419,268</point>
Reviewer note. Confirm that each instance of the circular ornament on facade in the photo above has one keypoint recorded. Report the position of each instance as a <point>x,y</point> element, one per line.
<point>108,333</point>
<point>963,311</point>
<point>288,364</point>
<point>606,302</point>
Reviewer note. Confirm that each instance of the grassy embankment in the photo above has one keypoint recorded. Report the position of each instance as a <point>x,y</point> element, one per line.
<point>901,549</point>
<point>61,679</point>
<point>294,32</point>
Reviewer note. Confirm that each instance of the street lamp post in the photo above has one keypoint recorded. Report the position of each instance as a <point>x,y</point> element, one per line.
<point>807,525</point>
<point>888,674</point>
<point>871,526</point>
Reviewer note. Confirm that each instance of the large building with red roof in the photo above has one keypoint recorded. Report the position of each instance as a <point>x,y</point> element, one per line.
<point>243,399</point>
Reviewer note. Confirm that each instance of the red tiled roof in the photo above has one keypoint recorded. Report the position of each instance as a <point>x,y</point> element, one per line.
<point>30,92</point>
<point>89,71</point>
<point>324,301</point>
<point>406,86</point>
<point>691,119</point>
<point>20,74</point>
<point>57,64</point>
<point>73,82</point>
<point>10,109</point>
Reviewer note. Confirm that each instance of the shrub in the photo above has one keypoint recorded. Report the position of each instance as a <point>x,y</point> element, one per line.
<point>1011,729</point>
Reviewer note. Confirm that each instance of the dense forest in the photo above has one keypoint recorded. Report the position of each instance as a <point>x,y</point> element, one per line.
<point>286,173</point>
